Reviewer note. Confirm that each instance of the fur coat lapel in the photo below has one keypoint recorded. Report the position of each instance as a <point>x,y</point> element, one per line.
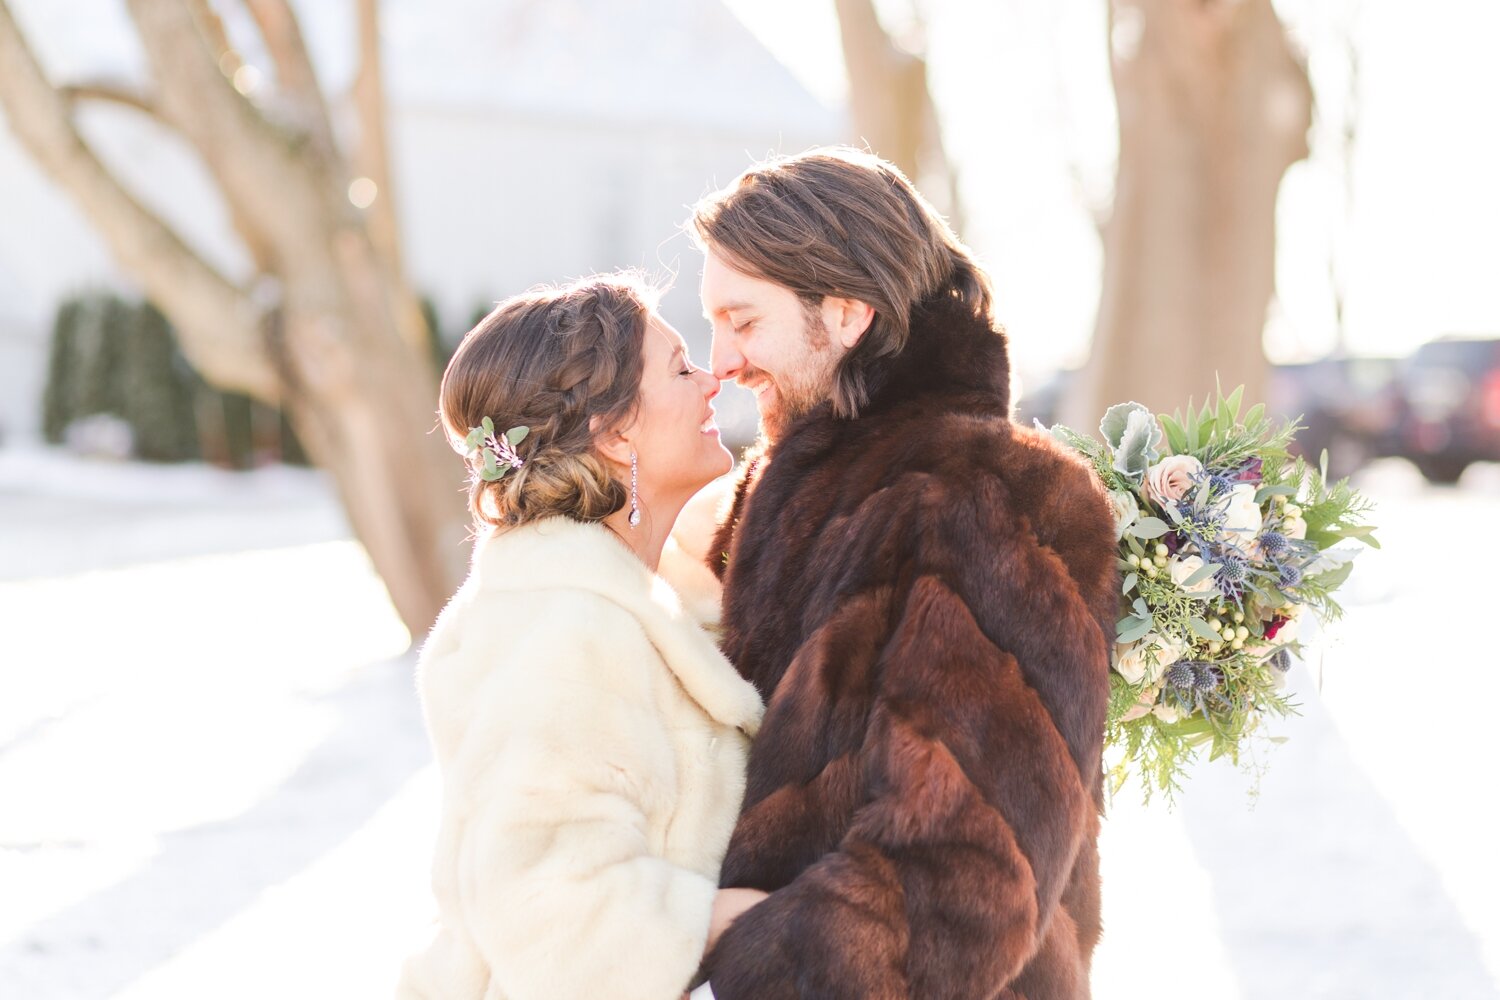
<point>565,554</point>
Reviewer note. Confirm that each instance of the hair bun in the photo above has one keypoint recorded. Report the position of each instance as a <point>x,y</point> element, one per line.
<point>553,482</point>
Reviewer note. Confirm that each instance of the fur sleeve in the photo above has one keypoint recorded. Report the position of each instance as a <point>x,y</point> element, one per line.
<point>558,884</point>
<point>979,769</point>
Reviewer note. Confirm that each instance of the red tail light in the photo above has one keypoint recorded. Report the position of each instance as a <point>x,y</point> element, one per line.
<point>1490,398</point>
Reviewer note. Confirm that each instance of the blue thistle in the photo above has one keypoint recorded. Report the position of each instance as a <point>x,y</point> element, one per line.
<point>1220,482</point>
<point>1281,660</point>
<point>1207,677</point>
<point>1181,674</point>
<point>1290,575</point>
<point>1275,544</point>
<point>1231,576</point>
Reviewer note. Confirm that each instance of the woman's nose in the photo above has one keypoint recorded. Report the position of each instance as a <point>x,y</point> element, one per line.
<point>710,384</point>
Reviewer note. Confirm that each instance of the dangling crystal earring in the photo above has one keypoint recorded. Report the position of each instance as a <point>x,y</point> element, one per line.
<point>635,497</point>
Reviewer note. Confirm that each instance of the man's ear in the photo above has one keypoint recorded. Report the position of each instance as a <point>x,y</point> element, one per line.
<point>847,320</point>
<point>613,445</point>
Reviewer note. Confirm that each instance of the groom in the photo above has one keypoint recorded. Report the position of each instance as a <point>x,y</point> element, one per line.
<point>924,593</point>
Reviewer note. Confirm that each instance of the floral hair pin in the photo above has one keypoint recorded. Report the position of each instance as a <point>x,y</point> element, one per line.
<point>494,456</point>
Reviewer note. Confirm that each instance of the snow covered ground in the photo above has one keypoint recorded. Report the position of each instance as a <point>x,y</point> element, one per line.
<point>214,781</point>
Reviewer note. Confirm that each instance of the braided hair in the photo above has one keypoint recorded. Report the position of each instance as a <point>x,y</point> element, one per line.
<point>564,361</point>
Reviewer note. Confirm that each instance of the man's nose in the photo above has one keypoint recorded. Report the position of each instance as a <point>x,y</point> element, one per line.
<point>725,358</point>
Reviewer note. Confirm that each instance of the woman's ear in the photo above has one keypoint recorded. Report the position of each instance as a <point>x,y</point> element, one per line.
<point>613,445</point>
<point>847,320</point>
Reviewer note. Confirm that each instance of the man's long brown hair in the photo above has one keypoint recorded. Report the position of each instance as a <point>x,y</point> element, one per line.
<point>839,221</point>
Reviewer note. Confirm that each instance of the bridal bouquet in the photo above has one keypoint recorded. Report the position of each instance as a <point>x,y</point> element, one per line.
<point>1226,544</point>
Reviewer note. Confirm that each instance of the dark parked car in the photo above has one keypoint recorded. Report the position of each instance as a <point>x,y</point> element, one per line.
<point>1350,406</point>
<point>1450,412</point>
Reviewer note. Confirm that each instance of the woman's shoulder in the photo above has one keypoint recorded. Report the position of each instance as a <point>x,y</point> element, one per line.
<point>519,654</point>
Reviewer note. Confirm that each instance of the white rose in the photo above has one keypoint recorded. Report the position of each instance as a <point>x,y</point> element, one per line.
<point>1165,713</point>
<point>1130,660</point>
<point>1172,650</point>
<point>1182,567</point>
<point>1294,527</point>
<point>1126,511</point>
<point>1242,517</point>
<point>1146,658</point>
<point>1171,478</point>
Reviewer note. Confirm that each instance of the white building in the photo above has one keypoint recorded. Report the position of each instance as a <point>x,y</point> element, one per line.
<point>534,140</point>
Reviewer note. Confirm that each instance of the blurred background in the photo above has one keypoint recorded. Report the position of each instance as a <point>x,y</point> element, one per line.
<point>239,238</point>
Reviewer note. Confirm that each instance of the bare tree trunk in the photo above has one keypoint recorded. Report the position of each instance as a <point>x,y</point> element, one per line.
<point>892,107</point>
<point>1214,106</point>
<point>372,161</point>
<point>332,347</point>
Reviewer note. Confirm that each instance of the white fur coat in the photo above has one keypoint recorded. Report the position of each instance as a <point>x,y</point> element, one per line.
<point>592,744</point>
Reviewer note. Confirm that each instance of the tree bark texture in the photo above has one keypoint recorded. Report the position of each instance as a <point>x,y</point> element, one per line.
<point>1214,106</point>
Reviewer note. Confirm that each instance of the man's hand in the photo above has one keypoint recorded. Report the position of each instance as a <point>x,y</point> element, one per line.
<point>728,905</point>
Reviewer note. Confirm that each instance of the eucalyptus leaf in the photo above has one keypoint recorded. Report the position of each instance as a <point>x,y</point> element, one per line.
<point>1203,630</point>
<point>1135,631</point>
<point>1129,584</point>
<point>474,438</point>
<point>1335,577</point>
<point>1141,610</point>
<point>489,427</point>
<point>1363,532</point>
<point>1202,573</point>
<point>516,435</point>
<point>1193,725</point>
<point>1266,492</point>
<point>1149,527</point>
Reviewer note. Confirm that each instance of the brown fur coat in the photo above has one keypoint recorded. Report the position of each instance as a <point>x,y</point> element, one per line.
<point>926,598</point>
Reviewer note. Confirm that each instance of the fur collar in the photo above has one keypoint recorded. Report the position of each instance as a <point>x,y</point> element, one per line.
<point>950,351</point>
<point>562,554</point>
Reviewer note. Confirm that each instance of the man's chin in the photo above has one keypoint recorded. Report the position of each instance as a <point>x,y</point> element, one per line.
<point>772,426</point>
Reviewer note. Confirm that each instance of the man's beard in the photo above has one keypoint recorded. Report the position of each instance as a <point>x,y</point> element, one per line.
<point>800,392</point>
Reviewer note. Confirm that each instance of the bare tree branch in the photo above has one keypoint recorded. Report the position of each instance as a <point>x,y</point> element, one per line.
<point>262,168</point>
<point>297,81</point>
<point>891,105</point>
<point>112,92</point>
<point>372,160</point>
<point>883,83</point>
<point>217,323</point>
<point>372,157</point>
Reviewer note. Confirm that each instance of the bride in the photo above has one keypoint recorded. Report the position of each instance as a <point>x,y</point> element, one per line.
<point>591,738</point>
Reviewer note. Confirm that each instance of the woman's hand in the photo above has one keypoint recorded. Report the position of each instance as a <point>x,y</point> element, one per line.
<point>728,905</point>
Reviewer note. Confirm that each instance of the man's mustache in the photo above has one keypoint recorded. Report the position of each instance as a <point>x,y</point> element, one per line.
<point>754,376</point>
